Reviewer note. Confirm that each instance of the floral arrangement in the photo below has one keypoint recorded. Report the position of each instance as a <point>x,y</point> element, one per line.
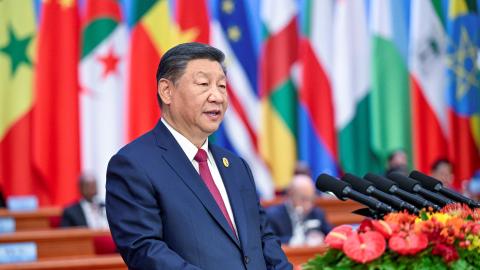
<point>448,239</point>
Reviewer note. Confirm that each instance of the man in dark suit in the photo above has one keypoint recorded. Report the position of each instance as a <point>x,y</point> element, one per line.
<point>298,221</point>
<point>87,212</point>
<point>176,201</point>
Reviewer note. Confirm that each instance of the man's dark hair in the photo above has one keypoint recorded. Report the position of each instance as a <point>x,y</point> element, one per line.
<point>439,162</point>
<point>174,61</point>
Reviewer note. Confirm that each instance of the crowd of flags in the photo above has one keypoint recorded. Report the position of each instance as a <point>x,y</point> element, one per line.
<point>337,84</point>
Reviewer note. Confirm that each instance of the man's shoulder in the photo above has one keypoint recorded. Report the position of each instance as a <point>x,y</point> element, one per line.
<point>72,207</point>
<point>275,210</point>
<point>139,144</point>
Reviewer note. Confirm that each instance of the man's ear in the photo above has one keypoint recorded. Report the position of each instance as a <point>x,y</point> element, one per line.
<point>164,89</point>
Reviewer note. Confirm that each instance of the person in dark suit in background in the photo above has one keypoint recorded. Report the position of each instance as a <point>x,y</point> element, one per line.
<point>175,200</point>
<point>298,221</point>
<point>87,212</point>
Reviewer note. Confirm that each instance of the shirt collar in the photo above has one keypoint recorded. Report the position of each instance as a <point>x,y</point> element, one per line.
<point>187,146</point>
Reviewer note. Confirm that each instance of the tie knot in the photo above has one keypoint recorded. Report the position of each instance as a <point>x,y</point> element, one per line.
<point>201,156</point>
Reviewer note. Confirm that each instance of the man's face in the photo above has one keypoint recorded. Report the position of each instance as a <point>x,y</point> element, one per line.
<point>198,99</point>
<point>444,174</point>
<point>88,190</point>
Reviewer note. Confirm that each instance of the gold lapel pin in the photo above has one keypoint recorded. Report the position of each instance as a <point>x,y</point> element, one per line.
<point>225,162</point>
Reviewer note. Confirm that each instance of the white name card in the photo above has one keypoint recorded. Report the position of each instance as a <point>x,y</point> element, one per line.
<point>18,252</point>
<point>7,225</point>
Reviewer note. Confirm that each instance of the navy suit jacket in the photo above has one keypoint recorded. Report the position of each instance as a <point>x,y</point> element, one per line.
<point>73,216</point>
<point>282,225</point>
<point>162,216</point>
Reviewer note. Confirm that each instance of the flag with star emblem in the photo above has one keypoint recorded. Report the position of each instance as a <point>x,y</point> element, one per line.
<point>102,82</point>
<point>463,88</point>
<point>56,150</point>
<point>427,65</point>
<point>153,33</point>
<point>278,94</point>
<point>17,60</point>
<point>239,132</point>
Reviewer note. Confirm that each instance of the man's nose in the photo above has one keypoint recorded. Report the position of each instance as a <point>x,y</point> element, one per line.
<point>217,94</point>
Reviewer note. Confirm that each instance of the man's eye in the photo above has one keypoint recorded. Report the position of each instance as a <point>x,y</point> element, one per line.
<point>222,86</point>
<point>203,84</point>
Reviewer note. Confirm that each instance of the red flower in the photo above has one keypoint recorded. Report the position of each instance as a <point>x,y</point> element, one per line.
<point>385,228</point>
<point>406,243</point>
<point>449,253</point>
<point>364,247</point>
<point>337,236</point>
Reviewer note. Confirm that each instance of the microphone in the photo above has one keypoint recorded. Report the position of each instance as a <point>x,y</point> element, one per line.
<point>342,190</point>
<point>388,186</point>
<point>435,185</point>
<point>411,185</point>
<point>366,187</point>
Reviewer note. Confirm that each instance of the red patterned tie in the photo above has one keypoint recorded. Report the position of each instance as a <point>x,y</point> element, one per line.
<point>201,158</point>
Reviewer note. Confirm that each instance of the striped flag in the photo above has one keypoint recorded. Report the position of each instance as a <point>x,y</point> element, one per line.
<point>428,68</point>
<point>153,33</point>
<point>239,131</point>
<point>352,84</point>
<point>390,98</point>
<point>317,138</point>
<point>463,88</point>
<point>17,61</point>
<point>278,94</point>
<point>56,149</point>
<point>102,80</point>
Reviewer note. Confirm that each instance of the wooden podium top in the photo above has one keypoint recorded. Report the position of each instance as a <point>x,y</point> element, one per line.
<point>99,262</point>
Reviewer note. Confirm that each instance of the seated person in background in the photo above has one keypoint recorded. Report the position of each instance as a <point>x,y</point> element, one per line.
<point>88,212</point>
<point>397,162</point>
<point>442,170</point>
<point>298,221</point>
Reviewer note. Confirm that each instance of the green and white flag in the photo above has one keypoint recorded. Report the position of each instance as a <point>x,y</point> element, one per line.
<point>102,79</point>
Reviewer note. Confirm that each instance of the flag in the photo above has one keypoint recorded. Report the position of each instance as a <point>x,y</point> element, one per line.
<point>17,62</point>
<point>390,98</point>
<point>278,94</point>
<point>317,139</point>
<point>56,155</point>
<point>102,80</point>
<point>153,33</point>
<point>239,131</point>
<point>351,88</point>
<point>428,68</point>
<point>463,88</point>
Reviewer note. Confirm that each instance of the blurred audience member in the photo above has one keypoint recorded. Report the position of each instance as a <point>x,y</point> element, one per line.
<point>397,162</point>
<point>443,171</point>
<point>473,188</point>
<point>298,221</point>
<point>302,168</point>
<point>88,212</point>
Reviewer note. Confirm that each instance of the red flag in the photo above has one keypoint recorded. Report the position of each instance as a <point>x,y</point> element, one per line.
<point>194,14</point>
<point>55,113</point>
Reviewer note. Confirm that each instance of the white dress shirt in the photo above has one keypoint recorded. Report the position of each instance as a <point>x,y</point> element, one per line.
<point>94,214</point>
<point>191,150</point>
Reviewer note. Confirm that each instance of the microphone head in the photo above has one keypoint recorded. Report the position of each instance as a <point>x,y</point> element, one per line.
<point>357,183</point>
<point>382,183</point>
<point>327,183</point>
<point>427,181</point>
<point>404,182</point>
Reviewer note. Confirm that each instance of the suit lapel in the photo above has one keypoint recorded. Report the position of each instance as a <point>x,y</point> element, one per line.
<point>231,182</point>
<point>178,162</point>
